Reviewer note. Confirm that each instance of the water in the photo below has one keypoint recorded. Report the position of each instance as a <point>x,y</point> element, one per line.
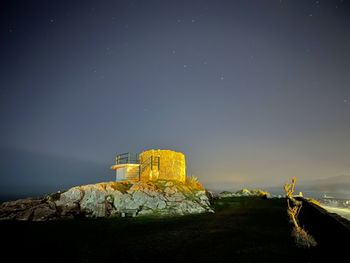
<point>340,206</point>
<point>343,212</point>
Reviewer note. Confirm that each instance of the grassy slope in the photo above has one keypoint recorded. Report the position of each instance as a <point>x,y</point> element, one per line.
<point>242,230</point>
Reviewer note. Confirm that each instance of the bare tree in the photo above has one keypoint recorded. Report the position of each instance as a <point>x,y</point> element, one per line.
<point>302,238</point>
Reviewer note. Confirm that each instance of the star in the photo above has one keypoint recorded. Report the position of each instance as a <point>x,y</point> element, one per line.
<point>51,20</point>
<point>345,100</point>
<point>222,77</point>
<point>185,66</point>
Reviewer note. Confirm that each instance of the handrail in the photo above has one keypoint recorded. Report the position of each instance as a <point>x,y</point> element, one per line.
<point>150,161</point>
<point>124,158</point>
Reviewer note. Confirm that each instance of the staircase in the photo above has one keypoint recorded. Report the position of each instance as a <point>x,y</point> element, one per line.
<point>151,164</point>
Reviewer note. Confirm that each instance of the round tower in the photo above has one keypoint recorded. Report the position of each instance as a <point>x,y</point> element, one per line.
<point>162,165</point>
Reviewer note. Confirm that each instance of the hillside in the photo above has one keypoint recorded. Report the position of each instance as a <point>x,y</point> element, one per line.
<point>242,229</point>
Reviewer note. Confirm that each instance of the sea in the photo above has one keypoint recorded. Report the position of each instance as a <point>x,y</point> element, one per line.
<point>333,202</point>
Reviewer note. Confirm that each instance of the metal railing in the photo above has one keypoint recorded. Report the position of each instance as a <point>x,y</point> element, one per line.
<point>127,158</point>
<point>152,161</point>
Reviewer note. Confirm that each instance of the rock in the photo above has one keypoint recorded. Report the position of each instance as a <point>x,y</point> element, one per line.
<point>140,198</point>
<point>125,201</point>
<point>161,204</point>
<point>99,210</point>
<point>245,192</point>
<point>204,198</point>
<point>93,202</point>
<point>25,215</point>
<point>146,212</point>
<point>177,197</point>
<point>117,201</point>
<point>21,209</point>
<point>69,210</point>
<point>108,199</point>
<point>170,190</point>
<point>152,203</point>
<point>73,195</point>
<point>169,184</point>
<point>200,193</point>
<point>43,212</point>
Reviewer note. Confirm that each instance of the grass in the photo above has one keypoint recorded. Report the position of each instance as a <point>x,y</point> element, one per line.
<point>243,229</point>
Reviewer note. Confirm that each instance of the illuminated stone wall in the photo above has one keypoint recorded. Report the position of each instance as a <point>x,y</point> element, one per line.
<point>128,171</point>
<point>172,166</point>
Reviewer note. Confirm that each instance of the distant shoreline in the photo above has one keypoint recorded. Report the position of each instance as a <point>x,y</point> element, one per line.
<point>343,212</point>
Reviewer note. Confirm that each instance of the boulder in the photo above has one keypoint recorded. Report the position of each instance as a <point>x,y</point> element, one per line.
<point>152,203</point>
<point>24,215</point>
<point>69,210</point>
<point>73,195</point>
<point>93,202</point>
<point>146,211</point>
<point>140,198</point>
<point>177,197</point>
<point>170,190</point>
<point>125,201</point>
<point>43,212</point>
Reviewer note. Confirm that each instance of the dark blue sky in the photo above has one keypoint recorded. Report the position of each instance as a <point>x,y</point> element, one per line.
<point>253,92</point>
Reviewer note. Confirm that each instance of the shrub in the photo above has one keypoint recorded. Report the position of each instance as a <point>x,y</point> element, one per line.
<point>193,182</point>
<point>302,238</point>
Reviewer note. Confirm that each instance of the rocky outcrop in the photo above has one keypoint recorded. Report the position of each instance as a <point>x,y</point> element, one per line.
<point>111,199</point>
<point>245,192</point>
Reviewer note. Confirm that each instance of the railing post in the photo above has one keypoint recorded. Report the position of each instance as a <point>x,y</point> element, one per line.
<point>158,163</point>
<point>140,172</point>
<point>151,162</point>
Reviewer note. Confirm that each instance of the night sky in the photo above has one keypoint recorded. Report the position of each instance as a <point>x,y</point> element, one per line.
<point>253,92</point>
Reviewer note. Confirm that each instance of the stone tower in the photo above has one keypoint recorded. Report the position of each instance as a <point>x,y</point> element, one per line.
<point>151,165</point>
<point>166,165</point>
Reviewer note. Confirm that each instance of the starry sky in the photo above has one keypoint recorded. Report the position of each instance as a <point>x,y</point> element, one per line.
<point>253,92</point>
